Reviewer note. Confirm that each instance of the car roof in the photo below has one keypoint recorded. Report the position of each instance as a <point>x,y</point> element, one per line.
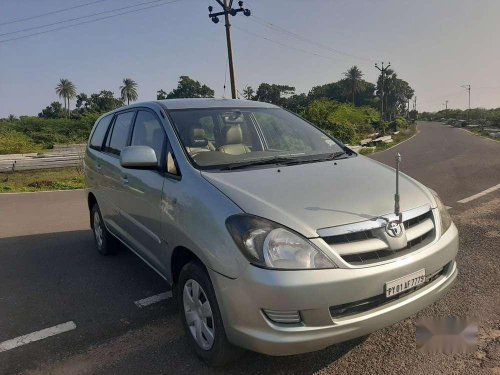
<point>212,103</point>
<point>194,103</point>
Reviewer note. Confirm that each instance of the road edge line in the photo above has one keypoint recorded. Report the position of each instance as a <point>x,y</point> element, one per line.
<point>480,194</point>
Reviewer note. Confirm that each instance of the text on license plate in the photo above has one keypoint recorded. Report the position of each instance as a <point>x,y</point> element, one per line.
<point>404,283</point>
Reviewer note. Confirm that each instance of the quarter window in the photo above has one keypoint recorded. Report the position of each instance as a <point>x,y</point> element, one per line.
<point>121,131</point>
<point>148,132</point>
<point>99,133</point>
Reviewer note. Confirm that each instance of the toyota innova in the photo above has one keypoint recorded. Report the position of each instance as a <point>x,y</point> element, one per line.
<point>274,236</point>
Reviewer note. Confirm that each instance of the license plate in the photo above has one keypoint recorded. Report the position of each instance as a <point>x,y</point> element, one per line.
<point>404,283</point>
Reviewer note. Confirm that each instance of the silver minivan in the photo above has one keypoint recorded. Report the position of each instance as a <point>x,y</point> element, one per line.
<point>274,236</point>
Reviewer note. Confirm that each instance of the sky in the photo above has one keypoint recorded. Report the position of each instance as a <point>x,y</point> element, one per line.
<point>435,45</point>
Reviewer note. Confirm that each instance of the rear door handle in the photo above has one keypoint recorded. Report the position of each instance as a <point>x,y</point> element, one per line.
<point>125,180</point>
<point>98,167</point>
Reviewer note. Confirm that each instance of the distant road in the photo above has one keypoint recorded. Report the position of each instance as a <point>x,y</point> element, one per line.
<point>452,161</point>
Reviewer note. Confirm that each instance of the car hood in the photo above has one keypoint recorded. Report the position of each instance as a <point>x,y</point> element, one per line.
<point>308,197</point>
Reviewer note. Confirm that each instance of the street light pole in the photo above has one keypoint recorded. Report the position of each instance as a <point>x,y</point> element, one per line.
<point>446,109</point>
<point>382,71</point>
<point>227,10</point>
<point>467,87</point>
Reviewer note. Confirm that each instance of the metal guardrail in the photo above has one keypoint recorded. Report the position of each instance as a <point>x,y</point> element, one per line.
<point>56,159</point>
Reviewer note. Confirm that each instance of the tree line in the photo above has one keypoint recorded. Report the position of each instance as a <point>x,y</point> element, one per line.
<point>481,116</point>
<point>348,109</point>
<point>350,89</point>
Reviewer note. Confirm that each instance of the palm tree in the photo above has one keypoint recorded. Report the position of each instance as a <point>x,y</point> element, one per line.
<point>248,93</point>
<point>67,90</point>
<point>354,75</point>
<point>129,90</point>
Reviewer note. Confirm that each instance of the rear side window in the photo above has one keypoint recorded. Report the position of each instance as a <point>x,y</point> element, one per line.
<point>99,133</point>
<point>121,131</point>
<point>149,132</point>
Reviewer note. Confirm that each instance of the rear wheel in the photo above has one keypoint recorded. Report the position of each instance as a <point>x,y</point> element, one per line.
<point>106,244</point>
<point>201,316</point>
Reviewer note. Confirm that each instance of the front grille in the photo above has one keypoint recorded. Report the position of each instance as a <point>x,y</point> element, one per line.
<point>367,304</point>
<point>360,246</point>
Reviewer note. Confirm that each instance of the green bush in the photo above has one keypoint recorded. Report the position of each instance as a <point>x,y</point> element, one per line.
<point>47,132</point>
<point>398,124</point>
<point>343,121</point>
<point>13,142</point>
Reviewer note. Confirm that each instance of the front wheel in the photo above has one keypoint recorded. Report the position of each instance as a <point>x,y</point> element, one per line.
<point>105,243</point>
<point>201,316</point>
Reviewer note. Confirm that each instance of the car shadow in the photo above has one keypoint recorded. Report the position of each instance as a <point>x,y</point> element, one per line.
<point>254,363</point>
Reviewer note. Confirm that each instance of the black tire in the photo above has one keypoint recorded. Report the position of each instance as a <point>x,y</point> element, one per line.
<point>108,244</point>
<point>221,351</point>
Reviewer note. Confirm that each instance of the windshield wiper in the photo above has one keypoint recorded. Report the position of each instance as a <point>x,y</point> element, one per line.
<point>250,163</point>
<point>287,160</point>
<point>328,157</point>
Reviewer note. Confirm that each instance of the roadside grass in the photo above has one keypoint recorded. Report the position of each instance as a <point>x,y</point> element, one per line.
<point>482,133</point>
<point>42,180</point>
<point>403,135</point>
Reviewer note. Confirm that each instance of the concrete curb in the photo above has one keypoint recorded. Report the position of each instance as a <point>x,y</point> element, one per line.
<point>397,144</point>
<point>41,191</point>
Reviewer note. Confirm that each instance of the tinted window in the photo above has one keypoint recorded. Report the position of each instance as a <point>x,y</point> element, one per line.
<point>121,130</point>
<point>148,132</point>
<point>100,133</point>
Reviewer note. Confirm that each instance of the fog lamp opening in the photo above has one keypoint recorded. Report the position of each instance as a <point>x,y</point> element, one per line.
<point>283,316</point>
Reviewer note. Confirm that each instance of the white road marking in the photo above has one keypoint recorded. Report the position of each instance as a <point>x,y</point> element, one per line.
<point>478,195</point>
<point>153,299</point>
<point>448,207</point>
<point>36,336</point>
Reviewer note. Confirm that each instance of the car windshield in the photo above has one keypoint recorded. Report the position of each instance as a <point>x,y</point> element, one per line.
<point>223,137</point>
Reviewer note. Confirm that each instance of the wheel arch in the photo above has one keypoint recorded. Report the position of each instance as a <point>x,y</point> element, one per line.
<point>180,257</point>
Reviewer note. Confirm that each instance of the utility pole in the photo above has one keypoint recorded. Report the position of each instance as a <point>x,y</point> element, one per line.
<point>382,71</point>
<point>446,108</point>
<point>467,87</point>
<point>227,10</point>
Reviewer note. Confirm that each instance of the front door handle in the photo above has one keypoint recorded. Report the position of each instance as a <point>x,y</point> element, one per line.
<point>125,180</point>
<point>98,167</point>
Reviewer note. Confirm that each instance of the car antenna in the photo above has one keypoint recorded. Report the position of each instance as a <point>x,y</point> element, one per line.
<point>396,196</point>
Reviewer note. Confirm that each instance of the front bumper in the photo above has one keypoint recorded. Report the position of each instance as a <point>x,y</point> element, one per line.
<point>313,292</point>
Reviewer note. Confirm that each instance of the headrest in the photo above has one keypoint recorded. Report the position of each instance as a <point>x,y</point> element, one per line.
<point>197,137</point>
<point>234,135</point>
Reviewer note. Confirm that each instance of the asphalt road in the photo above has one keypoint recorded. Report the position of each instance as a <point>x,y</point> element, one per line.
<point>452,161</point>
<point>51,274</point>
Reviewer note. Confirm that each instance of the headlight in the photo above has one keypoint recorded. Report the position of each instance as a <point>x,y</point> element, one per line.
<point>267,244</point>
<point>443,213</point>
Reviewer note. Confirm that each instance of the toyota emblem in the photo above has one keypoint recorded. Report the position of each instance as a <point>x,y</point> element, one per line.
<point>394,228</point>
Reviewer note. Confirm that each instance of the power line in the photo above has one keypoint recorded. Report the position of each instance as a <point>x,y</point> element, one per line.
<point>79,18</point>
<point>287,45</point>
<point>89,21</point>
<point>275,27</point>
<point>52,12</point>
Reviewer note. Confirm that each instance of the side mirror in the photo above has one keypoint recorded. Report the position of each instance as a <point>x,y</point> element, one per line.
<point>138,157</point>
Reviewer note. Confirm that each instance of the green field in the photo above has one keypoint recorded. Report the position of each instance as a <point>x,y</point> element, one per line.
<point>42,180</point>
